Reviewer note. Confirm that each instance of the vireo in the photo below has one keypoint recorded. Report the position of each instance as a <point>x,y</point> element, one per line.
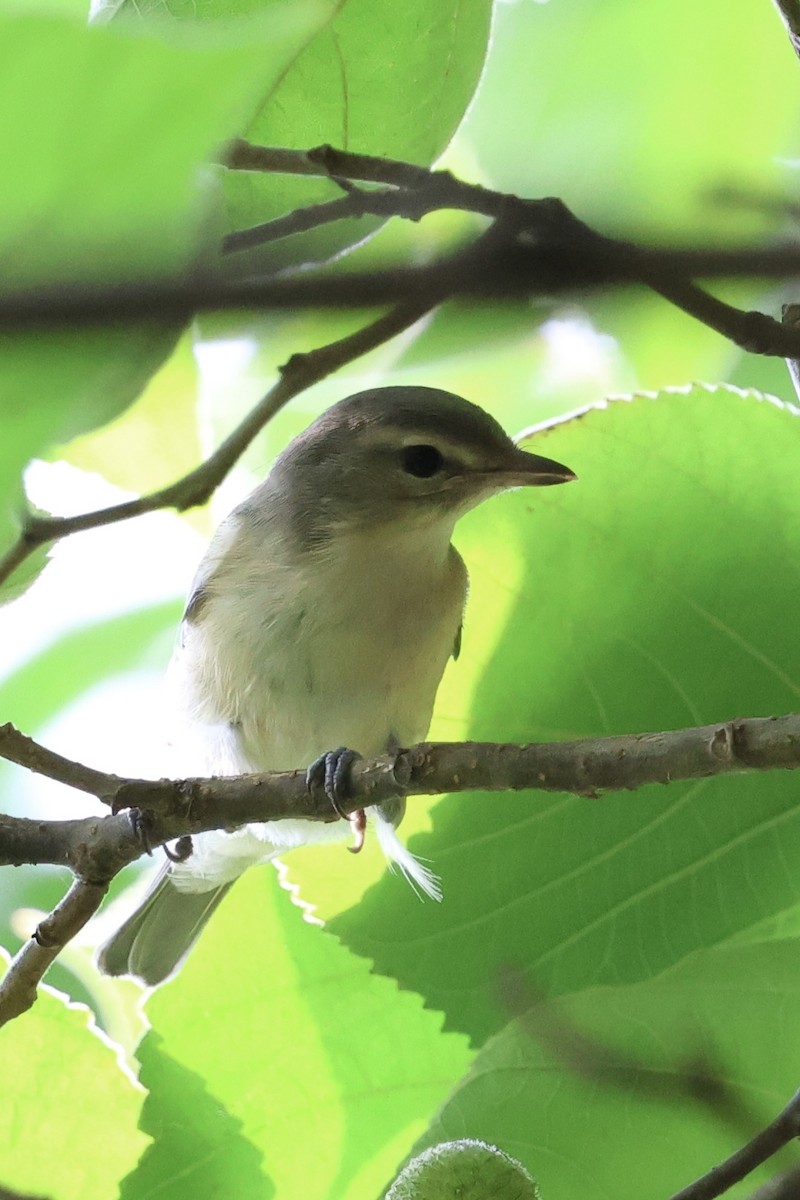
<point>323,615</point>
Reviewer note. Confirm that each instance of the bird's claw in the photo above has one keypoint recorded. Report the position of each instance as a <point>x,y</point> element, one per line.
<point>331,771</point>
<point>358,824</point>
<point>142,824</point>
<point>181,850</point>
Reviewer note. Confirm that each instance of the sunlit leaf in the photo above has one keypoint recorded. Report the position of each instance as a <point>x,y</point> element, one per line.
<point>304,1046</point>
<point>197,1150</point>
<point>654,593</point>
<point>155,440</point>
<point>389,80</point>
<point>106,179</point>
<point>385,79</point>
<point>637,131</point>
<point>68,1109</point>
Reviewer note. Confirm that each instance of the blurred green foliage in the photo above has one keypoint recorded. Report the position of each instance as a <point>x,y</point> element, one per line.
<point>285,1059</point>
<point>653,1042</point>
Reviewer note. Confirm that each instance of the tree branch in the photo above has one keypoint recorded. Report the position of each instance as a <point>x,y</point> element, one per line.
<point>784,1129</point>
<point>95,848</point>
<point>545,250</point>
<point>520,271</point>
<point>18,985</point>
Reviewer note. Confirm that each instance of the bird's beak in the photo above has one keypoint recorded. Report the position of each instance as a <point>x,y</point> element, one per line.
<point>532,470</point>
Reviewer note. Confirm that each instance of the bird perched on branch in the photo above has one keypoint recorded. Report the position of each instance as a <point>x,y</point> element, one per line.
<point>323,615</point>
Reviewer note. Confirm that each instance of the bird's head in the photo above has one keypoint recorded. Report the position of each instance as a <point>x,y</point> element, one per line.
<point>413,456</point>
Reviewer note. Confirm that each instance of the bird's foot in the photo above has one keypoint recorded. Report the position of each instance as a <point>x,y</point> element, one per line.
<point>331,771</point>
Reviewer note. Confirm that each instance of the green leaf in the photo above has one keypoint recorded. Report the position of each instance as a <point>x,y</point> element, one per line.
<point>634,131</point>
<point>654,593</point>
<point>68,1109</point>
<point>303,1046</point>
<point>106,179</point>
<point>371,54</point>
<point>197,1151</point>
<point>111,134</point>
<point>728,1012</point>
<point>155,440</point>
<point>344,88</point>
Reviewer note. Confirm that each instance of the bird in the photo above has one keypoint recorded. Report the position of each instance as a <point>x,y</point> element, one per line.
<point>322,615</point>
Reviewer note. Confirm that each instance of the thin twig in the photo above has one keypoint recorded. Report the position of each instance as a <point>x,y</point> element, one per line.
<point>326,161</point>
<point>18,987</point>
<point>784,1129</point>
<point>355,204</point>
<point>299,373</point>
<point>18,748</point>
<point>410,204</point>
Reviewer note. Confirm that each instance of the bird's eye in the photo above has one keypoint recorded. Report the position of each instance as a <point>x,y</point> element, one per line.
<point>422,461</point>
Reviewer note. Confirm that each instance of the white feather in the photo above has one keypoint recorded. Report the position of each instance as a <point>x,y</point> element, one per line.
<point>418,875</point>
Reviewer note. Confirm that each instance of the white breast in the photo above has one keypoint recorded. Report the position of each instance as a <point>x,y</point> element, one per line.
<point>345,647</point>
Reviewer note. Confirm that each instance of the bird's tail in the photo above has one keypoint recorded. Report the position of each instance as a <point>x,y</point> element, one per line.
<point>160,933</point>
